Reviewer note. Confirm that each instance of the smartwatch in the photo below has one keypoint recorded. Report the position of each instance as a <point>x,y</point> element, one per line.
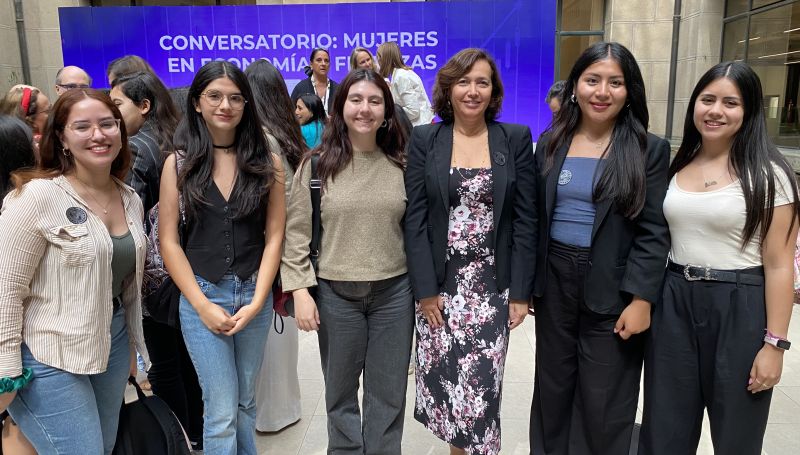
<point>778,342</point>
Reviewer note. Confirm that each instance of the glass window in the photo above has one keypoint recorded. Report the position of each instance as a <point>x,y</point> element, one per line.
<point>571,48</point>
<point>760,3</point>
<point>774,54</point>
<point>734,7</point>
<point>733,40</point>
<point>582,15</point>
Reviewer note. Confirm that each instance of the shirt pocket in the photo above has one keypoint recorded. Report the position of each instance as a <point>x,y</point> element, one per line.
<point>75,244</point>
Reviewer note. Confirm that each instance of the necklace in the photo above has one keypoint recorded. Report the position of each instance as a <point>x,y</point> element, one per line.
<point>484,153</point>
<point>86,189</point>
<point>598,144</point>
<point>711,182</point>
<point>224,147</point>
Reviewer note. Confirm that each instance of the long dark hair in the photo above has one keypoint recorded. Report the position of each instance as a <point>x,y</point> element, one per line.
<point>276,110</point>
<point>163,114</point>
<point>253,157</point>
<point>336,151</point>
<point>52,160</point>
<point>752,155</point>
<point>16,149</point>
<point>314,105</point>
<point>623,178</point>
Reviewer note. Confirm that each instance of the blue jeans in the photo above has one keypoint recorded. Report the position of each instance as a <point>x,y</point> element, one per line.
<point>371,334</point>
<point>227,366</point>
<point>66,413</point>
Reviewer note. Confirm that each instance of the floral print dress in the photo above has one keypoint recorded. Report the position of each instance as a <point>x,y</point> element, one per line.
<point>459,369</point>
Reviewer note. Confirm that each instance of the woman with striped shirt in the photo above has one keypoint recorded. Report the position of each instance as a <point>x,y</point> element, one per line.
<point>73,258</point>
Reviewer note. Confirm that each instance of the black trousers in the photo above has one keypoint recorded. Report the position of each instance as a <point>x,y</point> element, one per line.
<point>703,339</point>
<point>172,376</point>
<point>587,378</point>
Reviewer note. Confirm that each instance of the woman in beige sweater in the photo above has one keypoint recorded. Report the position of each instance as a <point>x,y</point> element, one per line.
<point>363,310</point>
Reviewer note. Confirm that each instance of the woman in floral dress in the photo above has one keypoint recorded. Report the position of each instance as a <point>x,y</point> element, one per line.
<point>470,242</point>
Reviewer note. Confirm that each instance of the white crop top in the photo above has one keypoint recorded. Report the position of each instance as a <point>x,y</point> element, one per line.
<point>706,228</point>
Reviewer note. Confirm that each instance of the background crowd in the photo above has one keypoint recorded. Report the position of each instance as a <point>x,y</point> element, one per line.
<point>163,224</point>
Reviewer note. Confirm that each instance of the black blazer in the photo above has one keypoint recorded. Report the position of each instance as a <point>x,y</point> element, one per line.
<point>304,87</point>
<point>427,214</point>
<point>627,257</point>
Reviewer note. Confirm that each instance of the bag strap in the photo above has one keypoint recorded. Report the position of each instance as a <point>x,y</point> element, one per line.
<point>316,218</point>
<point>179,159</point>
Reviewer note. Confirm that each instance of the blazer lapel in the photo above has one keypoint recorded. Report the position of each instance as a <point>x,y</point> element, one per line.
<point>443,153</point>
<point>498,154</point>
<point>552,179</point>
<point>600,212</point>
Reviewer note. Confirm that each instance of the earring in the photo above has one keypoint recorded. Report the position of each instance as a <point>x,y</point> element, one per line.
<point>384,124</point>
<point>573,99</point>
<point>65,152</point>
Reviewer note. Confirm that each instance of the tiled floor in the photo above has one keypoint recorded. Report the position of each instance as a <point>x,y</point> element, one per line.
<point>308,436</point>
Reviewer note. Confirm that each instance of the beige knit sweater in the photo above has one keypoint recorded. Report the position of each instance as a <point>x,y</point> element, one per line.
<point>362,233</point>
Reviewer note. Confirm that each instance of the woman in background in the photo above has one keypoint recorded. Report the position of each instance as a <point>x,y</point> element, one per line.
<point>311,117</point>
<point>318,82</point>
<point>30,105</point>
<point>362,58</point>
<point>407,88</point>
<point>278,386</point>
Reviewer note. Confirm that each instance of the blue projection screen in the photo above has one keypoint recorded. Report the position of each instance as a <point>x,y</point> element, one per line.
<point>177,41</point>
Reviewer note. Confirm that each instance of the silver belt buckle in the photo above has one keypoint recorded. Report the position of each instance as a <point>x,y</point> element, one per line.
<point>706,274</point>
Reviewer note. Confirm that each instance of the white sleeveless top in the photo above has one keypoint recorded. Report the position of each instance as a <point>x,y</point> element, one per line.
<point>706,228</point>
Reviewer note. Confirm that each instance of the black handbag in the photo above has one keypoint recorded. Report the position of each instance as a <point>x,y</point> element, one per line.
<point>160,295</point>
<point>148,426</point>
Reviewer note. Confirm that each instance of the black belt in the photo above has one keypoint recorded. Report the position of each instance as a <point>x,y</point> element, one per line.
<point>751,276</point>
<point>116,303</point>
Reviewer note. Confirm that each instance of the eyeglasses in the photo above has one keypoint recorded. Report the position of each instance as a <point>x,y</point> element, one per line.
<point>214,99</point>
<point>85,130</point>
<point>72,86</point>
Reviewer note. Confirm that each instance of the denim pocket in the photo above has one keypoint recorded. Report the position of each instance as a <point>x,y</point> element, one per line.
<point>203,283</point>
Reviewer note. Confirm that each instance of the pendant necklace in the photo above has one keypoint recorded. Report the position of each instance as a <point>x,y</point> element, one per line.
<point>105,208</point>
<point>711,182</point>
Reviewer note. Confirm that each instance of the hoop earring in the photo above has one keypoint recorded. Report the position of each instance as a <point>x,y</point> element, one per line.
<point>384,124</point>
<point>66,152</point>
<point>573,99</point>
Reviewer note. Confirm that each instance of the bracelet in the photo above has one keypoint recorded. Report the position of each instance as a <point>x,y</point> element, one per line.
<point>772,335</point>
<point>13,384</point>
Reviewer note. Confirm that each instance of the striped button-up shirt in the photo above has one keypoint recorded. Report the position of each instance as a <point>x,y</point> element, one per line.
<point>55,279</point>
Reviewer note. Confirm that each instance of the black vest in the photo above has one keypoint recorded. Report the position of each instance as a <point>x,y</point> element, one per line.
<point>218,240</point>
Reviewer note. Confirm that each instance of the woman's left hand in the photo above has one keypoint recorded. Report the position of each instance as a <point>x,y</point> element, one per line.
<point>517,310</point>
<point>243,317</point>
<point>635,318</point>
<point>133,365</point>
<point>767,368</point>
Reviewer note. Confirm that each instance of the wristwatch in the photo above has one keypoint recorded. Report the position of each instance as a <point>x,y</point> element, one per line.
<point>778,342</point>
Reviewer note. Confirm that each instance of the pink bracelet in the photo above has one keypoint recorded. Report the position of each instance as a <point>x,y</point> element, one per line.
<point>772,335</point>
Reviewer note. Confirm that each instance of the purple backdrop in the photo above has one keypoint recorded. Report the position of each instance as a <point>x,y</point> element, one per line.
<point>177,41</point>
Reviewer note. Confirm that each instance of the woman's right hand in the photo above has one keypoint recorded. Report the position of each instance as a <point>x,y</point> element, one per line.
<point>215,318</point>
<point>431,308</point>
<point>305,310</point>
<point>6,399</point>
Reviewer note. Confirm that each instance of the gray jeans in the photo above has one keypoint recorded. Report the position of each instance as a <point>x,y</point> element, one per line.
<point>370,335</point>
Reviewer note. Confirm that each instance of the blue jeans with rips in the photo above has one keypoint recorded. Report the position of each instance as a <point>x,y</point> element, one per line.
<point>65,413</point>
<point>227,366</point>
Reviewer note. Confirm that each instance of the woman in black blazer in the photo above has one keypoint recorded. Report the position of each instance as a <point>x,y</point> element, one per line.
<point>601,256</point>
<point>470,236</point>
<point>318,82</point>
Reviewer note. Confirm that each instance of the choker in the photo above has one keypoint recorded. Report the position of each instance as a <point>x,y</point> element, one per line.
<point>224,147</point>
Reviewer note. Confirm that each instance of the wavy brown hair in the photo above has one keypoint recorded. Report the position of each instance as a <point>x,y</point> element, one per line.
<point>52,160</point>
<point>390,58</point>
<point>455,68</point>
<point>336,151</point>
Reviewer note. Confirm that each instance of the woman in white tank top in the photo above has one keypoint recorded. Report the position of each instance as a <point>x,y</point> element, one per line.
<point>719,334</point>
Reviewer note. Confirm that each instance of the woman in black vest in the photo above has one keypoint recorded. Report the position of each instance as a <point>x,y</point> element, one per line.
<point>231,186</point>
<point>318,82</point>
